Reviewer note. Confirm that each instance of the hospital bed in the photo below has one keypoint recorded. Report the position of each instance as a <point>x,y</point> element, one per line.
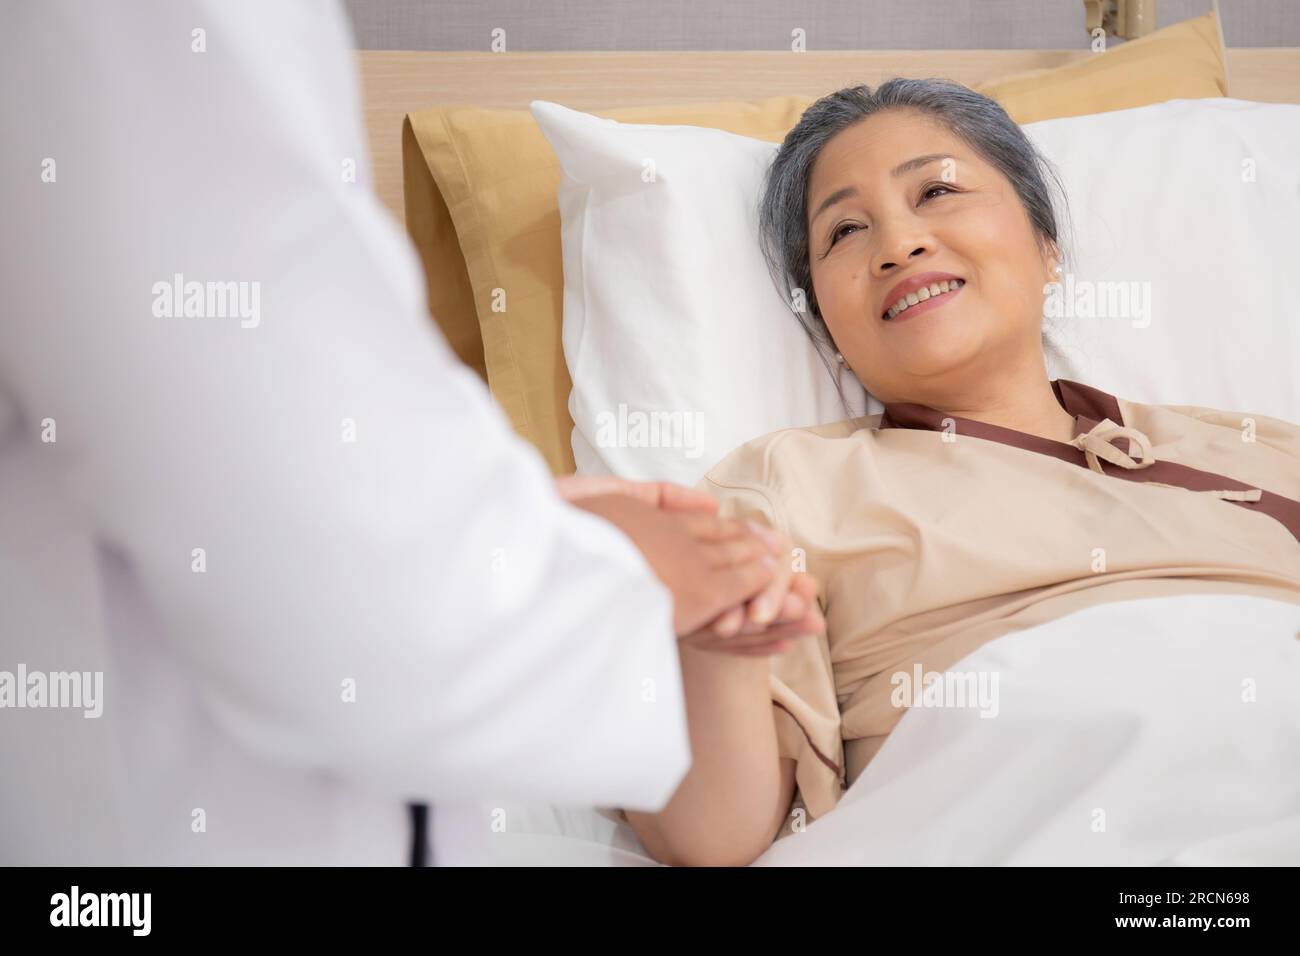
<point>1135,779</point>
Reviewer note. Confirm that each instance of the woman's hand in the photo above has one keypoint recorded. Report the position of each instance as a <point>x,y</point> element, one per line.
<point>733,633</point>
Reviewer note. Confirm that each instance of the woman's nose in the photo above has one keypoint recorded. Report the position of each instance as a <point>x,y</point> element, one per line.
<point>903,244</point>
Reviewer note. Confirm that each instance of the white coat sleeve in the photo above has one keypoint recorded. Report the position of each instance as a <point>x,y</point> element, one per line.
<point>369,574</point>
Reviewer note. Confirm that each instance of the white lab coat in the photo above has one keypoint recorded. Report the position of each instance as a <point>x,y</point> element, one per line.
<point>202,531</point>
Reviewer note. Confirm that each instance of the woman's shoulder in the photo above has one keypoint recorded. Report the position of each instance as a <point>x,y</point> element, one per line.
<point>777,474</point>
<point>1171,415</point>
<point>1167,418</point>
<point>763,461</point>
<point>1247,446</point>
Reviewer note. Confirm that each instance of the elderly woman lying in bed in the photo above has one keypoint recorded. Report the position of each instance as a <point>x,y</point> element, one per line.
<point>918,222</point>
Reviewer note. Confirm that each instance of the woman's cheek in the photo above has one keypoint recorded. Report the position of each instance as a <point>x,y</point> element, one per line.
<point>1014,307</point>
<point>843,303</point>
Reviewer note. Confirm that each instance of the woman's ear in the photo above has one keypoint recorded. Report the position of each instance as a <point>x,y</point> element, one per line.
<point>1053,262</point>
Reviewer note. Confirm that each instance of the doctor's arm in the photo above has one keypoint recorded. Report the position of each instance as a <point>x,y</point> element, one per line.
<point>368,574</point>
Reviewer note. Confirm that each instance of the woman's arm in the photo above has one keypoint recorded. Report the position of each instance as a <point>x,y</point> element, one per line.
<point>735,797</point>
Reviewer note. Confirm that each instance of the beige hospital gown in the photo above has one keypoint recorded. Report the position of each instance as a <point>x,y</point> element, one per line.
<point>932,535</point>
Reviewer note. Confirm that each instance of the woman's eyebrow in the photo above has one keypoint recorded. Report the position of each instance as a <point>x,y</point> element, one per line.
<point>917,162</point>
<point>844,192</point>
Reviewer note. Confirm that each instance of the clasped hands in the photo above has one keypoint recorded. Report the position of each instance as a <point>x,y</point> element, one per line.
<point>733,586</point>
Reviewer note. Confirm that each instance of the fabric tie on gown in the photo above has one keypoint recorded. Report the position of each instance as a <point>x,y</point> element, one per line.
<point>1097,444</point>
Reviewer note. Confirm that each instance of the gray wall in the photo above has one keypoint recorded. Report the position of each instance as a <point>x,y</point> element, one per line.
<point>766,24</point>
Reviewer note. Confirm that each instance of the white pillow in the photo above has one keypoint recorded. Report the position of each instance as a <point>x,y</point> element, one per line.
<point>668,305</point>
<point>1200,200</point>
<point>679,346</point>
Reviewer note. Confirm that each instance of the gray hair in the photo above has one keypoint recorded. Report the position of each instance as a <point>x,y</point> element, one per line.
<point>973,117</point>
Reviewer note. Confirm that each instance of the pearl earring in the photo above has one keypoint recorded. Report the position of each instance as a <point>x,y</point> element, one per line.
<point>1058,269</point>
<point>839,358</point>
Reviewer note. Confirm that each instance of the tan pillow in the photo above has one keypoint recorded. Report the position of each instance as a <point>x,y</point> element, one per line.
<point>481,204</point>
<point>1181,62</point>
<point>495,178</point>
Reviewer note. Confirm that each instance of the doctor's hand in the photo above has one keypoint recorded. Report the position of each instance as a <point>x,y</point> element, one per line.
<point>660,494</point>
<point>796,594</point>
<point>766,624</point>
<point>711,565</point>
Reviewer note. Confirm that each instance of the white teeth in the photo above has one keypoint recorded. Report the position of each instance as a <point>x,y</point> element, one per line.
<point>923,293</point>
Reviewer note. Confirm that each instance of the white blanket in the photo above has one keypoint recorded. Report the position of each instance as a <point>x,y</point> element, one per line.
<point>1157,731</point>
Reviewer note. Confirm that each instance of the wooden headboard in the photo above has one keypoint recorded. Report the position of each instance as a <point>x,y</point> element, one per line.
<point>397,83</point>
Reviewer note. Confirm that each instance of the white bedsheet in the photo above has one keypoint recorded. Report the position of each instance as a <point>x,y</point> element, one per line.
<point>1137,709</point>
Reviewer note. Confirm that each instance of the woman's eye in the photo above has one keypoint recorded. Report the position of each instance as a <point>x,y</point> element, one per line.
<point>932,187</point>
<point>835,236</point>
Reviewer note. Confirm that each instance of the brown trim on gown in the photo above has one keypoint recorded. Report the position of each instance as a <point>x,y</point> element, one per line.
<point>1089,406</point>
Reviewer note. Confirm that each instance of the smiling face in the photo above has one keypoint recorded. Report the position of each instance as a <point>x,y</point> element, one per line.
<point>912,204</point>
